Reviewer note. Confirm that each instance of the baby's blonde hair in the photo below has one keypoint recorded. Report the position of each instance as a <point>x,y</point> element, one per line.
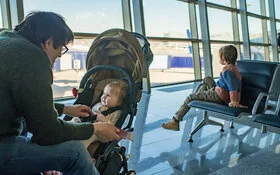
<point>122,86</point>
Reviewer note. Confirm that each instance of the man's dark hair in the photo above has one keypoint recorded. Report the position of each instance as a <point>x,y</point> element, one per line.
<point>229,52</point>
<point>38,27</point>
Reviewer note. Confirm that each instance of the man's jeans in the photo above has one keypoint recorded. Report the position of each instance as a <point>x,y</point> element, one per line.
<point>19,156</point>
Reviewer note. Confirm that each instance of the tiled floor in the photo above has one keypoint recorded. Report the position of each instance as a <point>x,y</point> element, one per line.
<point>242,150</point>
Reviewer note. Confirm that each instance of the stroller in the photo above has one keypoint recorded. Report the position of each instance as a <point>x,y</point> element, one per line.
<point>115,54</point>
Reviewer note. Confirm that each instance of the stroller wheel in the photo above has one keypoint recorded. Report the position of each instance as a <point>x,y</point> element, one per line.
<point>131,172</point>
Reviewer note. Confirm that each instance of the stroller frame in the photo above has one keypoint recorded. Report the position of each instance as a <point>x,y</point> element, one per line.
<point>129,109</point>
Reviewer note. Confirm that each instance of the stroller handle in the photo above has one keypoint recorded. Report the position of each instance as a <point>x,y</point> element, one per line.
<point>98,68</point>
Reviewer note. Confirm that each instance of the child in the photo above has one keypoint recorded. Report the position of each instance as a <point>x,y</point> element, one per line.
<point>114,95</point>
<point>227,90</point>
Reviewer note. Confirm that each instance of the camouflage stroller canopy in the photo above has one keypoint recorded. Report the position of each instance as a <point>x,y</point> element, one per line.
<point>117,47</point>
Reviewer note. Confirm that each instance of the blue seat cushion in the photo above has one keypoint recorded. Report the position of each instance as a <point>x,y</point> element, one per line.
<point>219,108</point>
<point>268,119</point>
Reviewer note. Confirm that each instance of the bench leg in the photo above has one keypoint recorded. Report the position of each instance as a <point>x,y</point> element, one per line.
<point>205,121</point>
<point>263,129</point>
<point>231,124</point>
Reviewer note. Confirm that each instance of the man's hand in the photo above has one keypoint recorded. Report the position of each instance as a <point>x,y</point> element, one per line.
<point>106,132</point>
<point>100,118</point>
<point>77,111</point>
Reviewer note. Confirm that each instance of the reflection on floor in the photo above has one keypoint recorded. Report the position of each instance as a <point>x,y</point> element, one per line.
<point>242,150</point>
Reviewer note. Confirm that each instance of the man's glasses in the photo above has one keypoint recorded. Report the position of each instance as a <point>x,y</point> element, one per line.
<point>64,49</point>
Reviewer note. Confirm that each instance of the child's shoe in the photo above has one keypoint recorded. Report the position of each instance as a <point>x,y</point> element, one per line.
<point>172,125</point>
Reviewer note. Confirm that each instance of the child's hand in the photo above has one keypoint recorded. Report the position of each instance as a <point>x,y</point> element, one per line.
<point>234,104</point>
<point>100,118</point>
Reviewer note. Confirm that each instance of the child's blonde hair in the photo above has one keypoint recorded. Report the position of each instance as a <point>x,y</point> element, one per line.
<point>229,52</point>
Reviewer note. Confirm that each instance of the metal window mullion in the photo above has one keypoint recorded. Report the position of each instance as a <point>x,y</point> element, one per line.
<point>6,14</point>
<point>264,30</point>
<point>139,27</point>
<point>138,14</point>
<point>195,41</point>
<point>207,57</point>
<point>127,20</point>
<point>235,27</point>
<point>245,30</point>
<point>20,10</point>
<point>273,32</point>
<point>14,12</point>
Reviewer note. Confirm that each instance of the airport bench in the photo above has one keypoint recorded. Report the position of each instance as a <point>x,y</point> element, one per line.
<point>258,77</point>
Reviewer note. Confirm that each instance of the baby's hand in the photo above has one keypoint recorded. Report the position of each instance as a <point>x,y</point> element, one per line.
<point>100,118</point>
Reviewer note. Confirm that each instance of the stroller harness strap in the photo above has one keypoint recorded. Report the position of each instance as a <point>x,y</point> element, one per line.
<point>111,110</point>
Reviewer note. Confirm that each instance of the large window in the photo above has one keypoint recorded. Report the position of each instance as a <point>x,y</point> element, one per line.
<point>220,25</point>
<point>253,6</point>
<point>181,51</point>
<point>84,15</point>
<point>166,18</point>
<point>173,62</point>
<point>255,30</point>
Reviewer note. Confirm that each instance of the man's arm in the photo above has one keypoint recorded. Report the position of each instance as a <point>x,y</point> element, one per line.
<point>32,89</point>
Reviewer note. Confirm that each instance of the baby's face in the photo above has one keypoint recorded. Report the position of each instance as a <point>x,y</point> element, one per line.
<point>110,97</point>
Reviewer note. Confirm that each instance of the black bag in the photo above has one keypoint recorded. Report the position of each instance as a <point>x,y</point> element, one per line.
<point>113,163</point>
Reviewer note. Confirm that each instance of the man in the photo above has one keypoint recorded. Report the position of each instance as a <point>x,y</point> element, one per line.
<point>27,55</point>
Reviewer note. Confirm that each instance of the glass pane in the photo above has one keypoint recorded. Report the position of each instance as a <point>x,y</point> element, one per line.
<point>217,67</point>
<point>216,30</point>
<point>276,8</point>
<point>271,54</point>
<point>242,52</point>
<point>166,18</point>
<point>221,2</point>
<point>1,20</point>
<point>198,22</point>
<point>172,62</point>
<point>201,60</point>
<point>268,32</point>
<point>82,16</point>
<point>240,28</point>
<point>70,68</point>
<point>253,6</point>
<point>255,30</point>
<point>277,27</point>
<point>257,53</point>
<point>266,8</point>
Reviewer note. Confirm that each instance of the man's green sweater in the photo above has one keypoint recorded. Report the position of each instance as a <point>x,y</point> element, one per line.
<point>26,92</point>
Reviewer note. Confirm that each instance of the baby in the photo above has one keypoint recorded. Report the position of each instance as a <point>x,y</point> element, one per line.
<point>113,96</point>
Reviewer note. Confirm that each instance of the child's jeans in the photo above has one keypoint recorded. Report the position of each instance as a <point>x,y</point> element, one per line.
<point>19,156</point>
